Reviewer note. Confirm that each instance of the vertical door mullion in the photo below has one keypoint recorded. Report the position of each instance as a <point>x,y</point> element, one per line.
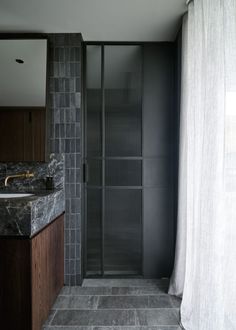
<point>85,160</point>
<point>142,148</point>
<point>103,158</point>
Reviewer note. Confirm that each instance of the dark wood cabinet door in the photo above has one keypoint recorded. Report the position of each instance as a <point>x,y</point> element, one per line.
<point>22,134</point>
<point>15,291</point>
<point>31,276</point>
<point>47,269</point>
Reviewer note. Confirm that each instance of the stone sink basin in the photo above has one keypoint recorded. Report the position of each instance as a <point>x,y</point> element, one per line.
<point>25,213</point>
<point>14,195</point>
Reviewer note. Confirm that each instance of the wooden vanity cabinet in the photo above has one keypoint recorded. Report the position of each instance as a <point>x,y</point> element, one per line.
<point>31,276</point>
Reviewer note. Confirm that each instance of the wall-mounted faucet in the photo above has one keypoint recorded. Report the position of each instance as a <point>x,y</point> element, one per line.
<point>23,175</point>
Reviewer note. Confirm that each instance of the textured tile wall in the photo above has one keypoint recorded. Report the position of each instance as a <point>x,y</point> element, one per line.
<point>64,105</point>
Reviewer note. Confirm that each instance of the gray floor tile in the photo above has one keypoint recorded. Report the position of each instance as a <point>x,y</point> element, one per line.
<point>160,301</point>
<point>123,302</point>
<point>76,302</point>
<point>175,301</point>
<point>66,328</point>
<point>157,317</point>
<point>50,317</point>
<point>141,290</point>
<point>94,317</point>
<point>125,282</point>
<point>96,290</point>
<point>65,290</point>
<point>136,302</point>
<point>89,291</point>
<point>115,304</point>
<point>171,327</point>
<point>111,328</point>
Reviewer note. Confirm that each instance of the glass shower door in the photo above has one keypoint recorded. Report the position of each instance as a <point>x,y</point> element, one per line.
<point>93,166</point>
<point>123,163</point>
<point>114,158</point>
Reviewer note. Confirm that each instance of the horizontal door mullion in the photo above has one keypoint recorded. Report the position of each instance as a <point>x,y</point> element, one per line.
<point>114,158</point>
<point>126,158</point>
<point>114,187</point>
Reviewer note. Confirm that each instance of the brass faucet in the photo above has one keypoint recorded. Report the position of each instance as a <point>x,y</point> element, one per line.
<point>23,175</point>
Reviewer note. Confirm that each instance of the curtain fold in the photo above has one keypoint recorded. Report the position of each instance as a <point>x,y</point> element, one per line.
<point>205,264</point>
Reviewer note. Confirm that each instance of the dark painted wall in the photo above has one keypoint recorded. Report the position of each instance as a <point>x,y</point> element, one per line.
<point>162,97</point>
<point>159,112</point>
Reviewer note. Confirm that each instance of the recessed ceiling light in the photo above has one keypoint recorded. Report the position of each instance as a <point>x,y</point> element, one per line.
<point>19,60</point>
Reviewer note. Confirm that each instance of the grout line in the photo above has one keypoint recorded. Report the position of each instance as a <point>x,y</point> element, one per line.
<point>117,309</point>
<point>97,302</point>
<point>116,326</point>
<point>54,313</point>
<point>140,327</point>
<point>115,295</point>
<point>135,317</point>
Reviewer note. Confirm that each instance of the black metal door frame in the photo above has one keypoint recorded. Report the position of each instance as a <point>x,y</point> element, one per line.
<point>103,158</point>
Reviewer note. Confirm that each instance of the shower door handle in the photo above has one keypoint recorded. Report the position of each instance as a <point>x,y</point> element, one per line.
<point>86,172</point>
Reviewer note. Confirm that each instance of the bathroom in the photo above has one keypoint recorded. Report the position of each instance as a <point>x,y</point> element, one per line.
<point>94,164</point>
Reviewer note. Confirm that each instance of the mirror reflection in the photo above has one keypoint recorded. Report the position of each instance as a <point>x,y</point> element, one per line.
<point>23,67</point>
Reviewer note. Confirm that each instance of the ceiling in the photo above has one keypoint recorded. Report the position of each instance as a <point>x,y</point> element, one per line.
<point>97,20</point>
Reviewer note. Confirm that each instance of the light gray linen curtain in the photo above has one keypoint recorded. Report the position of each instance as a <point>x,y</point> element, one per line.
<point>205,264</point>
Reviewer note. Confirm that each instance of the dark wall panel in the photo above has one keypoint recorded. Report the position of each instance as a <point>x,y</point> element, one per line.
<point>156,172</point>
<point>158,233</point>
<point>157,99</point>
<point>158,220</point>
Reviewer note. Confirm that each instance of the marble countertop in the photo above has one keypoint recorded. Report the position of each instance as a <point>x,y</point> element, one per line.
<point>25,216</point>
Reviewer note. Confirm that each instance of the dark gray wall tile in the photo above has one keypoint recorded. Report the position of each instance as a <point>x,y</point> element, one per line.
<point>64,107</point>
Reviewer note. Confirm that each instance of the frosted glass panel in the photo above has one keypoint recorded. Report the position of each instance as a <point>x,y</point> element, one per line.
<point>94,101</point>
<point>94,231</point>
<point>123,232</point>
<point>123,110</point>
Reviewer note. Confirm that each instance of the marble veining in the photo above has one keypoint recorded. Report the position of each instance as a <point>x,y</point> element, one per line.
<point>54,168</point>
<point>28,215</point>
<point>25,216</point>
<point>46,209</point>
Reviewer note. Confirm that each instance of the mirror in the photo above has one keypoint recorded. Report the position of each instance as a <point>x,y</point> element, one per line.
<point>23,76</point>
<point>23,73</point>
